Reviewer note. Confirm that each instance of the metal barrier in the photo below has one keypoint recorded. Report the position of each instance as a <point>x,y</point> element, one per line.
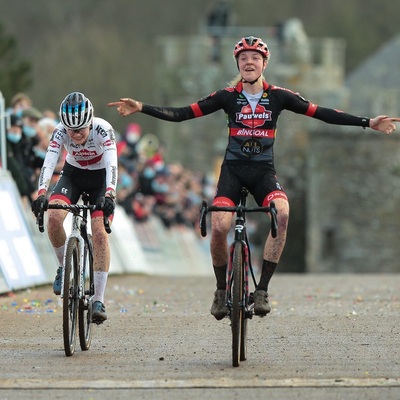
<point>4,123</point>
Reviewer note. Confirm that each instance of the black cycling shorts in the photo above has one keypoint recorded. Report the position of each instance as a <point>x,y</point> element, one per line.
<point>74,181</point>
<point>258,178</point>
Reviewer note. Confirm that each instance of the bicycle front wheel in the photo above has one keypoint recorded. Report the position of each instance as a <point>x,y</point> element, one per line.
<point>85,306</point>
<point>243,337</point>
<point>70,297</point>
<point>237,314</point>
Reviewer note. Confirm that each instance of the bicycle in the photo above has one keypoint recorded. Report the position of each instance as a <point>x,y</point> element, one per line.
<point>77,285</point>
<point>239,299</point>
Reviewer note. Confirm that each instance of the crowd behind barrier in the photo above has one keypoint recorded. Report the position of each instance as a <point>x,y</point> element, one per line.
<point>158,202</point>
<point>147,184</point>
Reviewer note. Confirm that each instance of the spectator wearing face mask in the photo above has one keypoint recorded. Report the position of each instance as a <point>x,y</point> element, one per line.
<point>19,103</point>
<point>30,138</point>
<point>15,159</point>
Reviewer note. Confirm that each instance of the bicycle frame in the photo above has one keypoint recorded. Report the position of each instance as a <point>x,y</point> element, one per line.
<point>238,297</point>
<point>79,232</point>
<point>240,236</point>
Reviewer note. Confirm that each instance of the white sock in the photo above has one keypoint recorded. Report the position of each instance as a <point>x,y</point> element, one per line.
<point>100,282</point>
<point>60,254</point>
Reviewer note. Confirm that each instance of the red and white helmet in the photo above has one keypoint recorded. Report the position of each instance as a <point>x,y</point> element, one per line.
<point>251,43</point>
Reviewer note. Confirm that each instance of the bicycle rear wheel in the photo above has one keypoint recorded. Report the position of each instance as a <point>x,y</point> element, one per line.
<point>237,314</point>
<point>70,297</point>
<point>85,306</point>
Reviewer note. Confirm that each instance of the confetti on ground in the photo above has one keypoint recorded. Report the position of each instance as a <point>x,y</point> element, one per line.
<point>27,306</point>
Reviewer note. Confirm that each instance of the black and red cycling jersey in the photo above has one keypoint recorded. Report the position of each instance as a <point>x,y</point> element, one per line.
<point>252,134</point>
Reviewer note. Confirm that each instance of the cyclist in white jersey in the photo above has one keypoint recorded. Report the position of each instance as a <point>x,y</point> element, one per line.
<point>91,167</point>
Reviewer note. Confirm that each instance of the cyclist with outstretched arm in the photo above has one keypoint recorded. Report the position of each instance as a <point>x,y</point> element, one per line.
<point>91,167</point>
<point>252,107</point>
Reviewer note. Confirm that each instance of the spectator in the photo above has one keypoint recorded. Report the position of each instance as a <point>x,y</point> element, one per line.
<point>19,103</point>
<point>15,159</point>
<point>127,148</point>
<point>30,139</point>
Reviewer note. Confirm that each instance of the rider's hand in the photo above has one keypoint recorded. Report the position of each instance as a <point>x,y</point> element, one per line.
<point>383,124</point>
<point>127,106</point>
<point>106,204</point>
<point>39,205</point>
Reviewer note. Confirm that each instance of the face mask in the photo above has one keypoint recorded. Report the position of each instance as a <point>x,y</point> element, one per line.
<point>126,181</point>
<point>132,137</point>
<point>39,153</point>
<point>149,173</point>
<point>14,137</point>
<point>29,131</point>
<point>159,187</point>
<point>19,112</point>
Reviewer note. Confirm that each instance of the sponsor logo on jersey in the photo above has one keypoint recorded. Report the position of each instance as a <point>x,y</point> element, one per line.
<point>108,143</point>
<point>246,116</point>
<point>251,147</point>
<point>53,144</point>
<point>84,153</point>
<point>261,133</point>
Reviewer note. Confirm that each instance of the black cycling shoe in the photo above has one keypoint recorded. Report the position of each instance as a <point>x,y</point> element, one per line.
<point>219,308</point>
<point>57,282</point>
<point>261,303</point>
<point>98,312</point>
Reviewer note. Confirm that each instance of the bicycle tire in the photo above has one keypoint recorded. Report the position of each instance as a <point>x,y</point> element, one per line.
<point>70,295</point>
<point>85,306</point>
<point>243,338</point>
<point>237,302</point>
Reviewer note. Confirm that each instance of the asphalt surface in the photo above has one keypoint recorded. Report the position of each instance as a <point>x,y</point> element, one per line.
<point>328,337</point>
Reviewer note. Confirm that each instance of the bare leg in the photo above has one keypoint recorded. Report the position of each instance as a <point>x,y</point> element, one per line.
<point>55,227</point>
<point>274,246</point>
<point>57,236</point>
<point>101,246</point>
<point>101,262</point>
<point>221,224</point>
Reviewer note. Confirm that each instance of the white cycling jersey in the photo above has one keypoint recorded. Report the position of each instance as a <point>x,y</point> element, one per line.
<point>99,151</point>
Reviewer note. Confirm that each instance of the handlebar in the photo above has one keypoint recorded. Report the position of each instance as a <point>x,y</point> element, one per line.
<point>72,208</point>
<point>205,208</point>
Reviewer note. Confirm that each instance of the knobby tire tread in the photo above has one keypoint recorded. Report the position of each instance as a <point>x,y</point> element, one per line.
<point>237,297</point>
<point>70,299</point>
<point>85,314</point>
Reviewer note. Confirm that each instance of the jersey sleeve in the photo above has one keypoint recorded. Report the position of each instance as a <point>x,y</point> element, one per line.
<point>204,106</point>
<point>173,114</point>
<point>110,158</point>
<point>296,103</point>
<point>338,117</point>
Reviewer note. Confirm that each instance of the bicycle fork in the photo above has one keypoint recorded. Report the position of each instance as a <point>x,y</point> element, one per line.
<point>81,262</point>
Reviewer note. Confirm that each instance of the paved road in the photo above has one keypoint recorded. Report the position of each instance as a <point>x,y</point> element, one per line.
<point>329,336</point>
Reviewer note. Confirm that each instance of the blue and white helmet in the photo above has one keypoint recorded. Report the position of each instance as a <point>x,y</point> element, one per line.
<point>76,111</point>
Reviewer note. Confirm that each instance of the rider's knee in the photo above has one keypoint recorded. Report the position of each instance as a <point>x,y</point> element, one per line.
<point>55,220</point>
<point>283,217</point>
<point>219,230</point>
<point>99,235</point>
